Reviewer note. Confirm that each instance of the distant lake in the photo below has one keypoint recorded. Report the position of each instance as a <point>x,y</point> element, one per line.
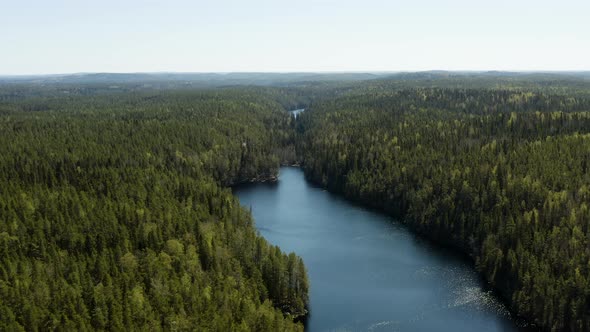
<point>367,271</point>
<point>296,112</point>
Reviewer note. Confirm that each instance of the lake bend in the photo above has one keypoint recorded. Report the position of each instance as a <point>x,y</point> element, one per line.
<point>367,271</point>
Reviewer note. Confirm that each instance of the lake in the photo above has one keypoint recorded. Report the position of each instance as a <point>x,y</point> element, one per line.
<point>367,271</point>
<point>296,112</point>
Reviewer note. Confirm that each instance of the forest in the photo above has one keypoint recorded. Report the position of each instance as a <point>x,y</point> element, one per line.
<point>500,174</point>
<point>115,214</point>
<point>116,211</point>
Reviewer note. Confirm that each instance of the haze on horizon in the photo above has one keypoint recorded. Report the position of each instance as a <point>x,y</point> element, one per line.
<point>67,36</point>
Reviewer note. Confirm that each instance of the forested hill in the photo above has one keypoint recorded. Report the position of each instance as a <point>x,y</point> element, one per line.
<point>501,174</point>
<point>114,215</point>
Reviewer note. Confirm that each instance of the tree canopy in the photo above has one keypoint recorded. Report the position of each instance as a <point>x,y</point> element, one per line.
<point>499,174</point>
<point>114,214</point>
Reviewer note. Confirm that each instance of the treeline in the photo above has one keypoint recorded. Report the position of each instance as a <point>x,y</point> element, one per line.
<point>500,174</point>
<point>114,215</point>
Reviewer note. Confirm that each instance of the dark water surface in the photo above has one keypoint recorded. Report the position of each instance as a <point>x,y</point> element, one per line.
<point>367,271</point>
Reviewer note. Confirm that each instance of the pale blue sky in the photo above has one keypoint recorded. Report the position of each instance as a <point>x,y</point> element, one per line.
<point>67,36</point>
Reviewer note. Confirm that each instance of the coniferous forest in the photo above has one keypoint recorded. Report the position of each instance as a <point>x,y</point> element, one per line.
<point>498,173</point>
<point>116,211</point>
<point>114,215</point>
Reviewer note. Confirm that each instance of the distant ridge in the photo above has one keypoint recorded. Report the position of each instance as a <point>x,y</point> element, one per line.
<point>209,78</point>
<point>212,80</point>
<point>489,73</point>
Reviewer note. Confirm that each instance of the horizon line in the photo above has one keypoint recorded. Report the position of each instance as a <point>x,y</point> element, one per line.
<point>517,71</point>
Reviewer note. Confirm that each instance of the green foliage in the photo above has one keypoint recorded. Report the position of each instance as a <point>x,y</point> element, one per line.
<point>114,211</point>
<point>114,215</point>
<point>500,174</point>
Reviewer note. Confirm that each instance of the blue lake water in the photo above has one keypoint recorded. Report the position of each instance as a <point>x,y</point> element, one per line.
<point>296,112</point>
<point>367,271</point>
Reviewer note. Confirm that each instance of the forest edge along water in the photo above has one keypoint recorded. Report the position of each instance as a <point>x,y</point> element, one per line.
<point>118,201</point>
<point>367,271</point>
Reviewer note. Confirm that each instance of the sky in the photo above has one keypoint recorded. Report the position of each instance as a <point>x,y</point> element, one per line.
<point>63,36</point>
